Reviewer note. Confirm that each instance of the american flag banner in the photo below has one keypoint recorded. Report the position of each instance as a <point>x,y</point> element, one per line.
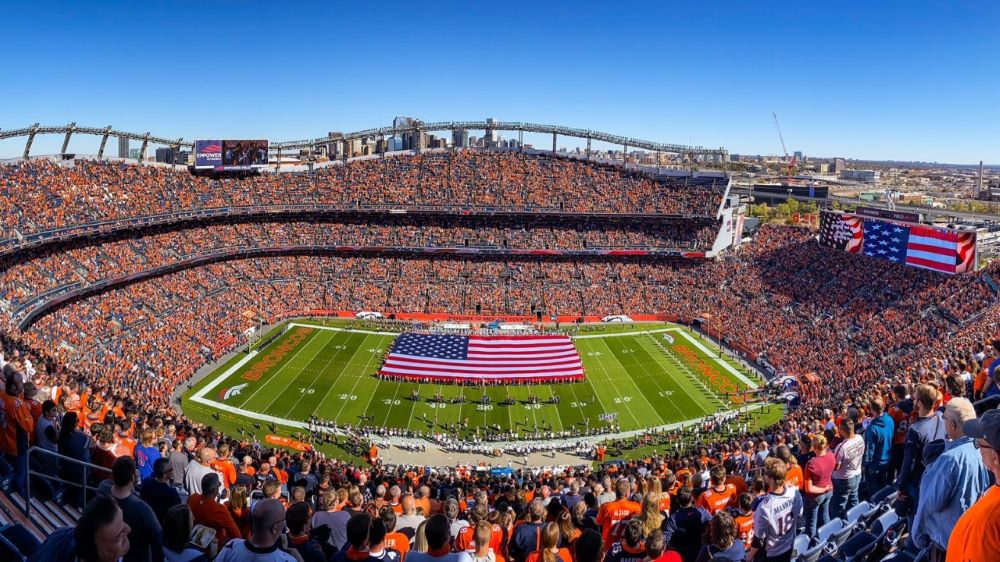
<point>841,231</point>
<point>938,249</point>
<point>483,359</point>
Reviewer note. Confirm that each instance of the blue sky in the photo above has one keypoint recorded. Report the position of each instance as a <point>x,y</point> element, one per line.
<point>880,80</point>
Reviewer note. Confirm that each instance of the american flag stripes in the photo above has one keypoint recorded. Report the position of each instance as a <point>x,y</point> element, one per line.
<point>485,359</point>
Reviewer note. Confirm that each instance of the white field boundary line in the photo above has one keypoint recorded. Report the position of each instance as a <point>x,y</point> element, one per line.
<point>348,330</point>
<point>621,334</point>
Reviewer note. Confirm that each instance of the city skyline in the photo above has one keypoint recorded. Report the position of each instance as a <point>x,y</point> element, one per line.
<point>862,82</point>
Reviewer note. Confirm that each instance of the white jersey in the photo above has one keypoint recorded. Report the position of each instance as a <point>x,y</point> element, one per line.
<point>776,520</point>
<point>238,550</point>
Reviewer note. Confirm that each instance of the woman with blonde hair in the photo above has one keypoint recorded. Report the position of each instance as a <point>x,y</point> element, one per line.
<point>482,536</point>
<point>568,531</point>
<point>549,550</point>
<point>420,538</point>
<point>650,515</point>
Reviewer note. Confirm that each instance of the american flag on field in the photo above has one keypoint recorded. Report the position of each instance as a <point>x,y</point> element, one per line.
<point>483,358</point>
<point>841,231</point>
<point>926,247</point>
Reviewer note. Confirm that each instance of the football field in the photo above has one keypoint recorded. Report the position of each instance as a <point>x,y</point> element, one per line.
<point>641,376</point>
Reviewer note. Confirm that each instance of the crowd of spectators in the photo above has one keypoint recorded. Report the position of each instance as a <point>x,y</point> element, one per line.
<point>889,359</point>
<point>41,195</point>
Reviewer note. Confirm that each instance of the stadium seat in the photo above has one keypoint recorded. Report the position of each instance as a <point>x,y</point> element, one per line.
<point>813,554</point>
<point>858,547</point>
<point>801,545</point>
<point>859,513</point>
<point>882,495</point>
<point>840,537</point>
<point>826,531</point>
<point>908,556</point>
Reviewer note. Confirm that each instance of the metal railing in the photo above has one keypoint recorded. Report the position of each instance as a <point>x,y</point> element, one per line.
<point>84,487</point>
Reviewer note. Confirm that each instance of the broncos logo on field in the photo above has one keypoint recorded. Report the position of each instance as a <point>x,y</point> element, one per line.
<point>227,393</point>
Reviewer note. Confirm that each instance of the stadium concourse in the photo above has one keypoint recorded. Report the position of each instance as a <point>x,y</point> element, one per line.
<point>883,454</point>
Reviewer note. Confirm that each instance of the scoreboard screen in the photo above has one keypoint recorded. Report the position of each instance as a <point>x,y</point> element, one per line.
<point>230,154</point>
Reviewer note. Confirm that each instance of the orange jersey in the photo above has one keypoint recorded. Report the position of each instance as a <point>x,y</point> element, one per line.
<point>744,528</point>
<point>398,542</point>
<point>466,538</point>
<point>976,536</point>
<point>713,501</point>
<point>228,471</point>
<point>612,513</point>
<point>794,477</point>
<point>14,413</point>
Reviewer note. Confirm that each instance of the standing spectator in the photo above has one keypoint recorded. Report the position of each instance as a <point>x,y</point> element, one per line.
<point>482,551</point>
<point>952,483</point>
<point>146,452</point>
<point>408,521</point>
<point>847,473</point>
<point>209,512</point>
<point>157,491</point>
<point>548,548</point>
<point>622,509</point>
<point>976,535</point>
<point>589,546</point>
<point>47,435</point>
<point>720,495</point>
<point>297,519</point>
<point>74,444</point>
<point>818,486</point>
<point>179,461</point>
<point>438,533</point>
<point>16,427</point>
<point>878,447</point>
<point>145,535</point>
<point>630,548</point>
<point>196,470</point>
<point>687,524</point>
<point>525,538</point>
<point>724,545</point>
<point>927,427</point>
<point>776,518</point>
<point>267,522</point>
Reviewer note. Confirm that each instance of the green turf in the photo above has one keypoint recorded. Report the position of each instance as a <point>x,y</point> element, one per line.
<point>640,377</point>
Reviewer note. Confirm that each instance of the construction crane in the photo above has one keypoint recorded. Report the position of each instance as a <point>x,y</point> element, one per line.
<point>793,161</point>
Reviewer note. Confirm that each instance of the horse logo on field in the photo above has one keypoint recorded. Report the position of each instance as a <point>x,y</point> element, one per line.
<point>227,393</point>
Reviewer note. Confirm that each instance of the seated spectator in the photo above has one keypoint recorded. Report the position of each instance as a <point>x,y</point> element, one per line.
<point>177,547</point>
<point>209,512</point>
<point>267,523</point>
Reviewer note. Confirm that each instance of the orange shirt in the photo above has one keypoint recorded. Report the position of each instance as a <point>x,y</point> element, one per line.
<point>976,536</point>
<point>14,413</point>
<point>665,502</point>
<point>611,513</point>
<point>213,514</point>
<point>794,477</point>
<point>739,482</point>
<point>228,471</point>
<point>744,528</point>
<point>398,542</point>
<point>466,538</point>
<point>713,501</point>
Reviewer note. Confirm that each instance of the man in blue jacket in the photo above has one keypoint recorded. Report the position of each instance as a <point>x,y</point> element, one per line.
<point>950,484</point>
<point>878,447</point>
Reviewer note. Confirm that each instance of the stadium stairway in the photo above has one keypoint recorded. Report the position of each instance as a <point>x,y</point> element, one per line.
<point>991,283</point>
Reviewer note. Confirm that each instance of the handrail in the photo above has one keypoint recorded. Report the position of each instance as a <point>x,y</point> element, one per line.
<point>59,458</point>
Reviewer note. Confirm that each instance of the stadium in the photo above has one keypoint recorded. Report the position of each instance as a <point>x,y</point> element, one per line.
<point>496,321</point>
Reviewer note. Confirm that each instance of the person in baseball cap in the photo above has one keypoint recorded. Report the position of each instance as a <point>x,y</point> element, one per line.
<point>977,534</point>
